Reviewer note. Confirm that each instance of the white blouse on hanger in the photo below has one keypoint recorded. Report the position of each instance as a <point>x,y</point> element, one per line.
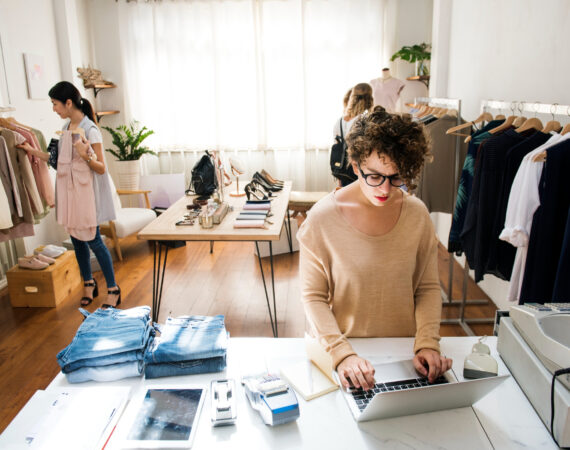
<point>524,200</point>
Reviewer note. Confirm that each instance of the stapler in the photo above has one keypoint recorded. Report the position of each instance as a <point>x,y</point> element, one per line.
<point>480,363</point>
<point>223,408</point>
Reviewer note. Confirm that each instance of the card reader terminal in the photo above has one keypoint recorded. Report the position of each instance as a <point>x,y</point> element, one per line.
<point>274,399</point>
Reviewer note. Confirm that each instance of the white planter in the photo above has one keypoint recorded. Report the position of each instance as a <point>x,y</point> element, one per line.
<point>129,174</point>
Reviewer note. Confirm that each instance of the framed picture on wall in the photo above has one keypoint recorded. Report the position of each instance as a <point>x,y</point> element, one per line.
<point>35,76</point>
<point>4,93</point>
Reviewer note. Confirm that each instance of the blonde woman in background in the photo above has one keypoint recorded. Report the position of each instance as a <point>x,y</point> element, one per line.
<point>359,100</point>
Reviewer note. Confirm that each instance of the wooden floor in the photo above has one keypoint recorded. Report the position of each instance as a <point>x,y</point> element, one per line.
<point>225,282</point>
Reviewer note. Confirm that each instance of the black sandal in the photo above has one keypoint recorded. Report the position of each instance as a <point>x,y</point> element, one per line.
<point>86,301</point>
<point>109,292</point>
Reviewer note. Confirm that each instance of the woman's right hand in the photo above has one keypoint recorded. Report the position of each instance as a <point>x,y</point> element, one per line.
<point>25,146</point>
<point>356,371</point>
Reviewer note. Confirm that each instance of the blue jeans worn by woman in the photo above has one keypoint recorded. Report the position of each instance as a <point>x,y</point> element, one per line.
<point>101,253</point>
<point>107,332</point>
<point>188,345</point>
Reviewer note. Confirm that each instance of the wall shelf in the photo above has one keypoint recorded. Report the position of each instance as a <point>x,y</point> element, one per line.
<point>101,114</point>
<point>98,87</point>
<point>423,78</point>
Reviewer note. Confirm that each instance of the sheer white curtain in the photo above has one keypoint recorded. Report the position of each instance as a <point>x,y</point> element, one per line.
<point>247,75</point>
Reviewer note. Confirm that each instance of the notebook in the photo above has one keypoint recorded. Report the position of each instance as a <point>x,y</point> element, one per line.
<point>308,380</point>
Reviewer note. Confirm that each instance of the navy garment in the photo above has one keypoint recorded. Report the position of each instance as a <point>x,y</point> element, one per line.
<point>501,253</point>
<point>465,185</point>
<point>562,283</point>
<point>548,227</point>
<point>480,217</point>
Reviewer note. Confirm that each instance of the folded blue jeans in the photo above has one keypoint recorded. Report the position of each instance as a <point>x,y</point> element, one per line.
<point>113,372</point>
<point>130,356</point>
<point>193,367</point>
<point>187,338</point>
<point>108,332</point>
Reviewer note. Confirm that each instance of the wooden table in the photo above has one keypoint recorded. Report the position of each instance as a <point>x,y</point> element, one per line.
<point>165,234</point>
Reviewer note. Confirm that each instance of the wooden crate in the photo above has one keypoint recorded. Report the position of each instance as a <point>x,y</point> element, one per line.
<point>47,287</point>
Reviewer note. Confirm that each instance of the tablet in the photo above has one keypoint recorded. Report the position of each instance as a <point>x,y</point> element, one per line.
<point>164,417</point>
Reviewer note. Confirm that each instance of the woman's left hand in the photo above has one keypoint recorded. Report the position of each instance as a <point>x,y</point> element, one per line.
<point>83,148</point>
<point>430,363</point>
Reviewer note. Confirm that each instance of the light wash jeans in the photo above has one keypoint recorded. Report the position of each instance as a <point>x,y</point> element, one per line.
<point>99,361</point>
<point>112,372</point>
<point>108,332</point>
<point>187,338</point>
<point>192,367</point>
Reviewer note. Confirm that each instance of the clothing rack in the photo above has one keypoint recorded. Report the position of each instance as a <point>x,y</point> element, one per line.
<point>521,106</point>
<point>452,103</point>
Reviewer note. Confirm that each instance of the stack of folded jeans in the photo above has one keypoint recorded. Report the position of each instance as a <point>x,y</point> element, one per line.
<point>109,345</point>
<point>188,345</point>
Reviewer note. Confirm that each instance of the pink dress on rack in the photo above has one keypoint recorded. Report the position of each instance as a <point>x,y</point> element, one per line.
<point>74,192</point>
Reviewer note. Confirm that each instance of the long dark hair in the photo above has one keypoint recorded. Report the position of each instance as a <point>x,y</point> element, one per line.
<point>65,90</point>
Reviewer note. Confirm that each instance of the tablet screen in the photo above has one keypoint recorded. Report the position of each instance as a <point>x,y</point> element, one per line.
<point>166,415</point>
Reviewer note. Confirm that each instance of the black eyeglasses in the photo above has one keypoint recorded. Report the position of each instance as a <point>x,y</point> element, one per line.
<point>377,179</point>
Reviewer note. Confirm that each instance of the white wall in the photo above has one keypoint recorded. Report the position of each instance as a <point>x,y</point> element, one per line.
<point>406,22</point>
<point>502,50</point>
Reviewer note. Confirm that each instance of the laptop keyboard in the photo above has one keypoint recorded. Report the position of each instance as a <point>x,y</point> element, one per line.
<point>362,397</point>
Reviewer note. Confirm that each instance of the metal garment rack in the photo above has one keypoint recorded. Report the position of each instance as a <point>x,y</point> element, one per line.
<point>532,107</point>
<point>447,297</point>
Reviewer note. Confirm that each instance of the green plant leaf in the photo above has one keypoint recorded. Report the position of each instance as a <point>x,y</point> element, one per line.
<point>128,140</point>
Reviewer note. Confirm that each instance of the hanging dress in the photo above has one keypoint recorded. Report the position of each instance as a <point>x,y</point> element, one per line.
<point>74,190</point>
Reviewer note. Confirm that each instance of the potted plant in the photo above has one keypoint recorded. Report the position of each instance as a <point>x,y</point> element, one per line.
<point>128,141</point>
<point>418,53</point>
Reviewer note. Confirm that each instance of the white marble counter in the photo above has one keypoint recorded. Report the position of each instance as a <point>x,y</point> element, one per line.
<point>503,419</point>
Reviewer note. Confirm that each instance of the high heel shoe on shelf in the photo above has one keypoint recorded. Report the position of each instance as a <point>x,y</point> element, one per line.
<point>267,186</point>
<point>252,191</point>
<point>86,301</point>
<point>271,179</point>
<point>113,292</point>
<point>257,185</point>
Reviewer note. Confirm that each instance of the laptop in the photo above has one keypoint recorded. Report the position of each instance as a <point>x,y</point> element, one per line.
<point>401,391</point>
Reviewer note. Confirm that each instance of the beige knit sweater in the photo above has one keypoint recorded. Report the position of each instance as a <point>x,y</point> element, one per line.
<point>355,285</point>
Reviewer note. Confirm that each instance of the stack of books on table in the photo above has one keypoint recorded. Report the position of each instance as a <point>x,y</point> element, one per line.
<point>253,215</point>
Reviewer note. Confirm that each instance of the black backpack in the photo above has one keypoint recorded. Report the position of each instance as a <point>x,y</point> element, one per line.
<point>340,166</point>
<point>204,180</point>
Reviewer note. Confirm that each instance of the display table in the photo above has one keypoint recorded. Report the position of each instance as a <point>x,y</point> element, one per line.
<point>164,233</point>
<point>503,419</point>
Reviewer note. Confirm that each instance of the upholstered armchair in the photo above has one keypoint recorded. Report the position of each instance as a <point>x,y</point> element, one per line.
<point>129,220</point>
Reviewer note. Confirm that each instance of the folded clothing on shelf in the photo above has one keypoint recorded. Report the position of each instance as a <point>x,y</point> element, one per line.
<point>188,345</point>
<point>249,224</point>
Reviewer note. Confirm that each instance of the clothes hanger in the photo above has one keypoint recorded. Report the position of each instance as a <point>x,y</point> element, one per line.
<point>528,124</point>
<point>552,125</point>
<point>519,121</point>
<point>483,117</point>
<point>79,131</point>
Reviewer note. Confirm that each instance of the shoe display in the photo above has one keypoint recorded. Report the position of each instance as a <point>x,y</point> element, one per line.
<point>269,178</point>
<point>31,262</point>
<point>50,250</point>
<point>44,258</point>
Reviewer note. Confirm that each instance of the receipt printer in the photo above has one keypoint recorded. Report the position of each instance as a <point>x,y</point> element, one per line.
<point>480,363</point>
<point>274,399</point>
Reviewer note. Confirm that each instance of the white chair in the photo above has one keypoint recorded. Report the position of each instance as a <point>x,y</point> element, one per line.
<point>129,220</point>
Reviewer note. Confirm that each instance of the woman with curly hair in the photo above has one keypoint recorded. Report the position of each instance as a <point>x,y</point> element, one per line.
<point>368,259</point>
<point>356,101</point>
